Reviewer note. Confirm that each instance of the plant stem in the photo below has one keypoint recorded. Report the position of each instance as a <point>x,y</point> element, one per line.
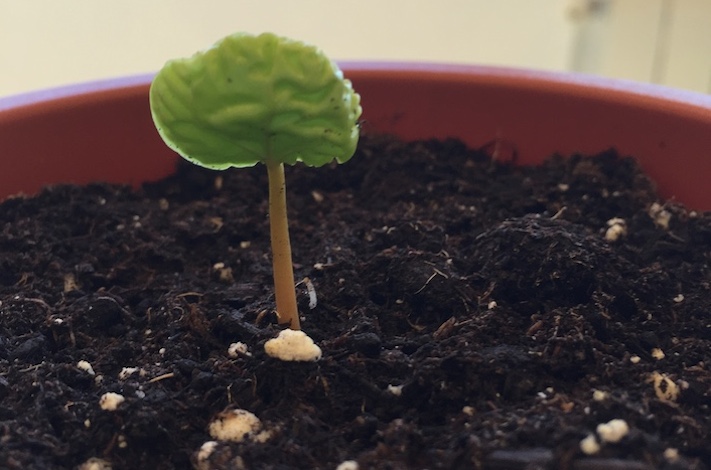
<point>284,289</point>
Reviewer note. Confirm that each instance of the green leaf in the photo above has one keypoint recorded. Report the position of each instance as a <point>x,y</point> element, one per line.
<point>251,99</point>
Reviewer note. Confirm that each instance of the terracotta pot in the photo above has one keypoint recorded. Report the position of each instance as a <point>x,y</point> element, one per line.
<point>103,130</point>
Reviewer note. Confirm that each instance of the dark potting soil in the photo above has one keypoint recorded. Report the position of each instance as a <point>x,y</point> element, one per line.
<point>472,314</point>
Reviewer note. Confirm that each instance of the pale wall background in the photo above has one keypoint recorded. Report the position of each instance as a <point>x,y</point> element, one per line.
<point>45,43</point>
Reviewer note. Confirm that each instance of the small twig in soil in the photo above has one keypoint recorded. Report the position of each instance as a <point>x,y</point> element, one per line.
<point>189,294</point>
<point>434,274</point>
<point>110,446</point>
<point>311,291</point>
<point>39,302</point>
<point>169,375</point>
<point>560,212</point>
<point>445,328</point>
<point>534,328</point>
<point>24,277</point>
<point>32,368</point>
<point>260,316</point>
<point>483,299</point>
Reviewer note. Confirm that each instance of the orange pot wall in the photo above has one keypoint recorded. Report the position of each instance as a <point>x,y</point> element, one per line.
<point>104,131</point>
<point>104,135</point>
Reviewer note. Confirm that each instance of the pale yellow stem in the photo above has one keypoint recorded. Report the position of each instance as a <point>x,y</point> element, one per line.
<point>284,289</point>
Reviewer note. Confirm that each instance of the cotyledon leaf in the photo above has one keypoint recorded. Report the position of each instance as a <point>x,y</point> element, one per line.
<point>251,99</point>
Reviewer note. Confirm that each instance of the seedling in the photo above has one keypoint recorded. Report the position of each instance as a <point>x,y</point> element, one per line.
<point>259,99</point>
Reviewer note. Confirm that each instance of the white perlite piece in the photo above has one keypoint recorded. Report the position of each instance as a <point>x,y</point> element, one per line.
<point>600,395</point>
<point>86,367</point>
<point>126,372</point>
<point>95,463</point>
<point>589,445</point>
<point>318,197</point>
<point>348,465</point>
<point>671,454</point>
<point>238,349</point>
<point>236,426</point>
<point>293,345</point>
<point>658,354</point>
<point>204,454</point>
<point>395,390</point>
<point>110,401</point>
<point>613,431</point>
<point>659,215</point>
<point>616,229</point>
<point>664,387</point>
